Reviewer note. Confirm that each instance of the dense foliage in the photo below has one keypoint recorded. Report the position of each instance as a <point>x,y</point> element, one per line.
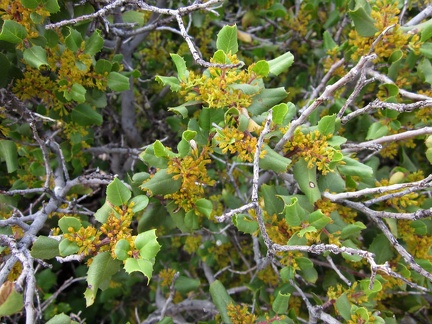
<point>227,162</point>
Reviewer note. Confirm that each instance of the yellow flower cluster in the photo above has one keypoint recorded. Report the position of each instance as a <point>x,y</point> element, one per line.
<point>87,239</point>
<point>385,13</point>
<point>14,10</point>
<point>192,243</point>
<point>354,293</point>
<point>313,147</point>
<point>239,314</point>
<point>327,207</point>
<point>418,245</point>
<point>166,277</point>
<point>231,140</point>
<point>193,173</point>
<point>300,22</point>
<point>215,88</point>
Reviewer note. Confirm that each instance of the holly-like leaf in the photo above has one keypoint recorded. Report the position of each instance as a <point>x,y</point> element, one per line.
<point>139,265</point>
<point>99,274</point>
<point>180,64</point>
<point>117,193</point>
<point>74,40</point>
<point>245,224</point>
<point>147,244</point>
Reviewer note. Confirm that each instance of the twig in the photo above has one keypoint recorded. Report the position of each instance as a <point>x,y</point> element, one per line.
<point>170,297</point>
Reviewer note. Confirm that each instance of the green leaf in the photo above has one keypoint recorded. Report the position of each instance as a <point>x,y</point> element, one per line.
<point>279,113</point>
<point>280,304</point>
<point>329,43</point>
<point>266,99</point>
<point>327,125</point>
<point>382,249</point>
<point>77,92</point>
<point>30,4</point>
<point>67,247</point>
<point>139,265</point>
<point>183,108</point>
<point>51,5</point>
<point>261,68</point>
<point>204,206</point>
<point>343,306</point>
<point>13,301</point>
<point>118,82</point>
<point>99,274</point>
<point>425,70</point>
<point>140,202</point>
<point>221,299</point>
<point>35,56</point>
<point>121,249</point>
<point>245,224</point>
<point>172,82</point>
<point>294,213</point>
<point>185,285</point>
<point>117,193</point>
<point>8,152</point>
<point>306,179</point>
<point>308,271</point>
<point>281,63</point>
<point>147,244</point>
<point>134,17</point>
<point>61,319</point>
<point>227,39</point>
<point>287,273</point>
<point>103,66</point>
<point>273,205</point>
<point>12,32</point>
<point>332,181</point>
<point>318,220</point>
<point>355,168</point>
<point>45,248</point>
<point>365,285</point>
<point>94,44</point>
<point>74,40</point>
<point>420,227</point>
<point>85,115</point>
<point>65,222</point>
<point>363,22</point>
<point>102,213</point>
<point>188,135</point>
<point>191,221</point>
<point>274,161</point>
<point>162,183</point>
<point>352,230</point>
<point>149,157</point>
<point>180,64</point>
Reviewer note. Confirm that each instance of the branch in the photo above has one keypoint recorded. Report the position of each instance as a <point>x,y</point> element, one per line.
<point>327,94</point>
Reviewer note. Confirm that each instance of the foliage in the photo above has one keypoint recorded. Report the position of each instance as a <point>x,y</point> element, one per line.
<point>261,161</point>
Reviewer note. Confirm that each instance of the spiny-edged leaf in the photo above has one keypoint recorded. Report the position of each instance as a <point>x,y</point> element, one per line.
<point>139,265</point>
<point>140,202</point>
<point>84,115</point>
<point>118,82</point>
<point>121,249</point>
<point>172,82</point>
<point>227,39</point>
<point>73,40</point>
<point>94,44</point>
<point>327,125</point>
<point>280,304</point>
<point>8,152</point>
<point>221,299</point>
<point>294,213</point>
<point>204,206</point>
<point>45,248</point>
<point>306,179</point>
<point>65,222</point>
<point>281,63</point>
<point>162,183</point>
<point>180,64</point>
<point>117,193</point>
<point>99,274</point>
<point>11,301</point>
<point>35,56</point>
<point>245,224</point>
<point>148,245</point>
<point>274,161</point>
<point>12,32</point>
<point>266,99</point>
